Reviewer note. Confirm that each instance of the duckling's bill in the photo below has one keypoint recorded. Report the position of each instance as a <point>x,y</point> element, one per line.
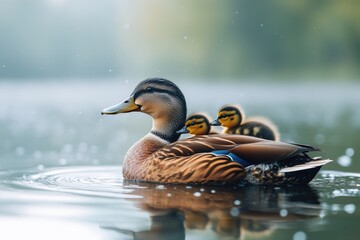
<point>215,123</point>
<point>126,106</point>
<point>183,130</point>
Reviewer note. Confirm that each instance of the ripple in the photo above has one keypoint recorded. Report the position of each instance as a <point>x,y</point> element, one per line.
<point>107,182</point>
<point>92,181</point>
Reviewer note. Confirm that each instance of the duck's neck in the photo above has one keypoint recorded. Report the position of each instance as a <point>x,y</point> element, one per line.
<point>138,153</point>
<point>163,132</point>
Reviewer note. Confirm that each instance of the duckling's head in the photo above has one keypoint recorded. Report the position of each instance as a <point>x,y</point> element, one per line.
<point>196,124</point>
<point>229,116</point>
<point>162,100</point>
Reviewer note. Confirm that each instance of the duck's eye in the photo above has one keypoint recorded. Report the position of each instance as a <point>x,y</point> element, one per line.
<point>223,116</point>
<point>149,89</point>
<point>192,124</point>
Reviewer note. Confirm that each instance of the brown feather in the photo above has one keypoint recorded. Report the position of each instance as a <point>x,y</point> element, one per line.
<point>251,149</point>
<point>198,168</point>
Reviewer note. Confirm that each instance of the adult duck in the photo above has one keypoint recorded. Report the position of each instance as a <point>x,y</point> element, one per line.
<point>219,158</point>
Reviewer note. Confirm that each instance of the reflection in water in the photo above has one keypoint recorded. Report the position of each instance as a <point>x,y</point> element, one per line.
<point>229,211</point>
<point>169,225</point>
<point>97,198</point>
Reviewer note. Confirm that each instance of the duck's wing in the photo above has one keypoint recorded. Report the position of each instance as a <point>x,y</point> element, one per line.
<point>218,158</point>
<point>268,151</point>
<point>250,149</point>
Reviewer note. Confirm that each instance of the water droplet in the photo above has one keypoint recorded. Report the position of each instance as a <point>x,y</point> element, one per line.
<point>19,151</point>
<point>185,37</point>
<point>127,25</point>
<point>350,208</point>
<point>237,202</point>
<point>261,25</point>
<point>344,161</point>
<point>3,65</point>
<point>234,212</point>
<point>202,190</point>
<point>110,70</point>
<point>350,152</point>
<point>299,236</point>
<point>169,194</point>
<point>213,191</point>
<point>160,187</point>
<point>188,187</point>
<point>37,154</point>
<point>40,167</point>
<point>335,207</point>
<point>236,12</point>
<point>283,212</point>
<point>63,161</point>
<point>197,194</point>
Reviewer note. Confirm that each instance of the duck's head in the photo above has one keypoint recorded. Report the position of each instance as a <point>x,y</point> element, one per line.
<point>229,116</point>
<point>162,100</point>
<point>196,124</point>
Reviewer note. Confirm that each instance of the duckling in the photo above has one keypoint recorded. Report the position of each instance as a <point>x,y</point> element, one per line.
<point>233,119</point>
<point>197,124</point>
<point>207,159</point>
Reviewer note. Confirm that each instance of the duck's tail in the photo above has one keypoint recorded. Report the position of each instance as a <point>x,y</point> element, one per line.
<point>303,173</point>
<point>295,172</point>
<point>317,162</point>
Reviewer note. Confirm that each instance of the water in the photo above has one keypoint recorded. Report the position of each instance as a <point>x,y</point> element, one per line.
<point>60,173</point>
<point>99,204</point>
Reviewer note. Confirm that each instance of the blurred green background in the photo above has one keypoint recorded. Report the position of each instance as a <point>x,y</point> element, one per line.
<point>62,61</point>
<point>271,40</point>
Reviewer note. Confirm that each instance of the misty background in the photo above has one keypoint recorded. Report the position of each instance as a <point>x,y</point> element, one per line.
<point>93,39</point>
<point>62,62</point>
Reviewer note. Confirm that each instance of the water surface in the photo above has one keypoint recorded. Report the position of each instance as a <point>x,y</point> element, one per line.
<point>60,173</point>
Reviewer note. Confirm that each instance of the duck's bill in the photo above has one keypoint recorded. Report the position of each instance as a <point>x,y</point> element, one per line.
<point>215,123</point>
<point>183,130</point>
<point>126,106</point>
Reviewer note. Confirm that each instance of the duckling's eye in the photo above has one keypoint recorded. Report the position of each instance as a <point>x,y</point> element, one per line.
<point>223,116</point>
<point>192,124</point>
<point>149,89</point>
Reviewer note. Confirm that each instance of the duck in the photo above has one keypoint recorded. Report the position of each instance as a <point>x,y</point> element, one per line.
<point>160,157</point>
<point>197,124</point>
<point>232,118</point>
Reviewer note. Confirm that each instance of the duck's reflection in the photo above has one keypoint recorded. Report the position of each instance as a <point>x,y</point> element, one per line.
<point>167,225</point>
<point>228,211</point>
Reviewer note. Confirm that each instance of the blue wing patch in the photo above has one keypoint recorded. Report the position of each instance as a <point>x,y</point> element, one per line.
<point>232,156</point>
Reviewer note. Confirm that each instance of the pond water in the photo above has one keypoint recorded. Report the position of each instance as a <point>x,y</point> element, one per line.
<point>60,172</point>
